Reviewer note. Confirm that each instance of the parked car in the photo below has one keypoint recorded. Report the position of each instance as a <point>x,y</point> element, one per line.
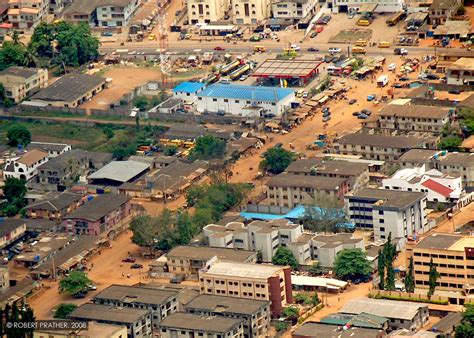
<point>313,35</point>
<point>106,33</point>
<point>366,112</point>
<point>371,97</point>
<point>392,67</point>
<point>362,116</point>
<point>352,101</point>
<point>325,109</point>
<point>295,47</point>
<point>404,78</point>
<point>397,85</point>
<point>430,76</point>
<point>312,49</point>
<point>91,287</point>
<point>129,260</point>
<point>356,113</point>
<point>326,118</point>
<point>136,266</point>
<point>243,78</point>
<point>454,91</point>
<point>334,50</point>
<point>278,145</point>
<point>79,295</point>
<point>327,113</point>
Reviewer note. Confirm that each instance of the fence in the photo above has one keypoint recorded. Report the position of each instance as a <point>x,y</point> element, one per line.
<point>176,117</point>
<point>32,110</point>
<point>407,296</point>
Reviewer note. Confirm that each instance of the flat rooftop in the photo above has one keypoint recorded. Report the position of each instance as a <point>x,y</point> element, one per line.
<point>205,253</point>
<point>376,140</point>
<point>243,270</point>
<point>226,305</point>
<point>313,329</point>
<point>383,308</point>
<point>136,294</point>
<point>108,313</point>
<point>306,181</point>
<point>273,68</point>
<point>439,241</point>
<point>188,321</point>
<point>388,198</point>
<point>120,171</point>
<point>414,111</point>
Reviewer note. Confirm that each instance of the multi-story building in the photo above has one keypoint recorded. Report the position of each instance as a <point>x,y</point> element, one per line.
<point>442,10</point>
<point>21,82</point>
<point>449,56</point>
<point>206,11</point>
<point>290,190</point>
<point>401,213</point>
<point>255,314</point>
<point>357,174</point>
<point>267,236</point>
<point>450,163</point>
<point>188,260</point>
<point>180,325</point>
<point>25,166</point>
<point>382,6</point>
<point>137,321</point>
<point>93,330</point>
<point>413,118</point>
<point>375,146</point>
<point>53,149</point>
<point>54,208</point>
<point>250,12</point>
<point>161,303</point>
<point>438,187</point>
<point>461,72</point>
<point>453,257</point>
<point>103,213</point>
<point>249,281</point>
<point>56,6</point>
<point>26,14</point>
<point>294,9</point>
<point>11,230</point>
<point>63,171</point>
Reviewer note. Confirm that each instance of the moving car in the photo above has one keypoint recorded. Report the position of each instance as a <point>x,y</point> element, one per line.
<point>392,67</point>
<point>400,51</point>
<point>334,50</point>
<point>312,49</point>
<point>371,97</point>
<point>295,47</point>
<point>219,48</point>
<point>129,260</point>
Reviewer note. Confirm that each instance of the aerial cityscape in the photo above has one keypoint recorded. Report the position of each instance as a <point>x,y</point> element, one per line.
<point>236,168</point>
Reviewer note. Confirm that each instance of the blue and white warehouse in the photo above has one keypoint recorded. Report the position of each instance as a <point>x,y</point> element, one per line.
<point>245,101</point>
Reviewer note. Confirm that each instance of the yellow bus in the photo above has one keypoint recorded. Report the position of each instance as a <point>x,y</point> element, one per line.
<point>259,49</point>
<point>361,43</point>
<point>394,19</point>
<point>363,22</point>
<point>384,44</point>
<point>358,50</point>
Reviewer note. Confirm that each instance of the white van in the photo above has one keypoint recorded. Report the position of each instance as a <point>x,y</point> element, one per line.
<point>392,67</point>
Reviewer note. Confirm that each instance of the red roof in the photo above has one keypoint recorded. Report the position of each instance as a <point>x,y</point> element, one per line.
<point>437,187</point>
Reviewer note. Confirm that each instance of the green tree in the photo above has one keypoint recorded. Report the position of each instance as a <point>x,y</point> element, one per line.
<point>208,147</point>
<point>77,281</point>
<point>390,252</point>
<point>323,215</point>
<point>259,256</point>
<point>450,143</point>
<point>432,279</point>
<point>14,192</point>
<point>18,134</point>
<point>276,160</point>
<point>141,102</point>
<point>63,310</point>
<point>351,264</point>
<point>466,116</point>
<point>466,328</point>
<point>281,326</point>
<point>108,132</point>
<point>291,313</point>
<point>152,232</point>
<point>170,150</point>
<point>12,54</point>
<point>317,269</point>
<point>284,256</point>
<point>410,278</point>
<point>390,279</point>
<point>381,269</point>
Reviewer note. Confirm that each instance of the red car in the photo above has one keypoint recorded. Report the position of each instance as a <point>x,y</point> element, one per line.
<point>219,49</point>
<point>128,260</point>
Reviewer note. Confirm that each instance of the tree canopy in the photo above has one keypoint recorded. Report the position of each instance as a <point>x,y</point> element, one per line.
<point>410,278</point>
<point>351,264</point>
<point>14,192</point>
<point>208,147</point>
<point>276,160</point>
<point>18,134</point>
<point>284,256</point>
<point>432,278</point>
<point>467,121</point>
<point>466,328</point>
<point>323,215</point>
<point>77,281</point>
<point>64,309</point>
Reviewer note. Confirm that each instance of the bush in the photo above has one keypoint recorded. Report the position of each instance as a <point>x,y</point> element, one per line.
<point>408,299</point>
<point>282,326</point>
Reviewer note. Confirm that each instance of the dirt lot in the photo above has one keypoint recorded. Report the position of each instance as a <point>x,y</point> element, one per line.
<point>352,35</point>
<point>123,81</point>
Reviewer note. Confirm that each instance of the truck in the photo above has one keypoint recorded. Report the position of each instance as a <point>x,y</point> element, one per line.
<point>382,80</point>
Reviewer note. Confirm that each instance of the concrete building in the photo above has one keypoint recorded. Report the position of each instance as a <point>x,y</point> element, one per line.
<point>294,9</point>
<point>450,163</point>
<point>357,174</point>
<point>70,91</point>
<point>116,173</point>
<point>245,101</point>
<point>104,213</point>
<point>380,6</point>
<point>20,82</point>
<point>253,12</point>
<point>137,321</point>
<point>11,230</point>
<point>326,247</point>
<point>161,303</point>
<point>373,146</point>
<point>438,187</point>
<point>54,208</point>
<point>453,257</point>
<point>187,91</point>
<point>447,57</point>
<point>27,14</point>
<point>413,118</point>
<point>401,213</point>
<point>442,10</point>
<point>315,329</point>
<point>53,149</point>
<point>255,314</point>
<point>24,166</point>
<point>188,260</point>
<point>402,315</point>
<point>93,330</point>
<point>461,72</point>
<point>61,172</point>
<point>290,190</point>
<point>249,281</point>
<point>181,325</point>
<point>206,11</point>
<point>114,13</point>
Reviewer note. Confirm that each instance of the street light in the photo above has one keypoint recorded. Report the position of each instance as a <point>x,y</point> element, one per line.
<point>164,185</point>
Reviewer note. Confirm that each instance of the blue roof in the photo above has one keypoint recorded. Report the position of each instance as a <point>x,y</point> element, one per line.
<point>297,212</point>
<point>253,93</point>
<point>189,87</point>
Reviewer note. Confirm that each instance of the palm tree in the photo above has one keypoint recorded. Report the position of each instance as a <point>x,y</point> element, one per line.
<point>16,38</point>
<point>29,58</point>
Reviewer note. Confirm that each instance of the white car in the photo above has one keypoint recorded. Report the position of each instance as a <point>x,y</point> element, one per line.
<point>295,47</point>
<point>392,67</point>
<point>334,50</point>
<point>403,51</point>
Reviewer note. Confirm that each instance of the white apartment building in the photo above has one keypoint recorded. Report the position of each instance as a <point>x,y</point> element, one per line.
<point>24,166</point>
<point>27,14</point>
<point>401,213</point>
<point>383,6</point>
<point>206,11</point>
<point>116,15</point>
<point>19,82</point>
<point>438,187</point>
<point>250,12</point>
<point>293,9</point>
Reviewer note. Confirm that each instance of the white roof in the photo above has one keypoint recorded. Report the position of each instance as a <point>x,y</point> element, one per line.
<point>247,270</point>
<point>383,308</point>
<point>317,281</point>
<point>121,171</point>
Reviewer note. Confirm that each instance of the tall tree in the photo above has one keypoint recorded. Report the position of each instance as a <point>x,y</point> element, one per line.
<point>18,134</point>
<point>390,252</point>
<point>208,147</point>
<point>323,215</point>
<point>381,269</point>
<point>390,280</point>
<point>410,278</point>
<point>276,160</point>
<point>64,309</point>
<point>351,264</point>
<point>432,279</point>
<point>77,281</point>
<point>284,256</point>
